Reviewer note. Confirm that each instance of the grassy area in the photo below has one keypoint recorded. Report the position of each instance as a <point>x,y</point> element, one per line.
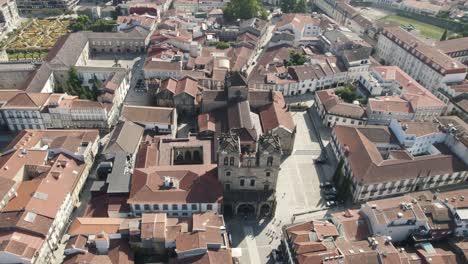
<point>426,30</point>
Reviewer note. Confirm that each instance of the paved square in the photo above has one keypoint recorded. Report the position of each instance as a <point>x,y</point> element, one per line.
<point>298,191</point>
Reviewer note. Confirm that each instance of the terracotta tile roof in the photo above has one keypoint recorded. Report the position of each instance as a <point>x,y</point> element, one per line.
<point>12,163</point>
<point>390,104</point>
<point>391,209</point>
<point>204,220</point>
<point>354,225</point>
<point>147,155</point>
<point>125,137</point>
<point>96,225</point>
<point>148,114</point>
<point>432,54</point>
<point>192,183</point>
<point>186,84</point>
<point>420,128</point>
<point>6,95</point>
<point>30,138</point>
<point>37,225</point>
<point>335,106</point>
<point>206,122</point>
<point>197,240</point>
<point>27,100</point>
<point>368,165</point>
<point>276,115</point>
<point>454,198</point>
<point>144,20</point>
<point>119,253</point>
<point>297,21</point>
<point>210,257</point>
<point>77,241</point>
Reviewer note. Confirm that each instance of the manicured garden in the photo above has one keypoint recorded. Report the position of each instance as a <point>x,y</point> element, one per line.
<point>426,30</point>
<point>34,39</point>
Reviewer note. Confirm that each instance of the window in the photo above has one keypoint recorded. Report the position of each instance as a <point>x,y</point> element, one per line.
<point>209,207</point>
<point>175,214</point>
<point>270,161</point>
<point>165,207</point>
<point>252,182</point>
<point>194,207</point>
<point>184,214</point>
<point>147,207</point>
<point>228,173</point>
<point>227,186</point>
<point>155,207</point>
<point>266,187</point>
<point>231,161</point>
<point>174,207</point>
<point>184,207</point>
<point>226,161</point>
<point>268,174</point>
<point>242,182</point>
<point>137,207</point>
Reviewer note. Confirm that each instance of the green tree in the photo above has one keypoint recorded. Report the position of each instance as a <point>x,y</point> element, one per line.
<point>81,23</point>
<point>295,58</point>
<point>300,7</point>
<point>348,93</point>
<point>287,6</point>
<point>222,45</point>
<point>444,36</point>
<point>243,9</point>
<point>73,85</point>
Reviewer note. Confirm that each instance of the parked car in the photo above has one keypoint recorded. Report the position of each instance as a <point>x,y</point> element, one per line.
<point>319,161</point>
<point>324,185</point>
<point>329,191</point>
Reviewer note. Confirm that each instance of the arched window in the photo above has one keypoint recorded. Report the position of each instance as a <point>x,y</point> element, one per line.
<point>231,161</point>
<point>196,155</point>
<point>188,156</point>
<point>270,161</point>
<point>226,161</point>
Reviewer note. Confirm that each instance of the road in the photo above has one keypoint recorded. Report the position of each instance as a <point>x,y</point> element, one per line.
<point>259,51</point>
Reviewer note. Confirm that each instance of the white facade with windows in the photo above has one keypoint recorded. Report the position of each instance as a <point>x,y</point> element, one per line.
<point>173,209</point>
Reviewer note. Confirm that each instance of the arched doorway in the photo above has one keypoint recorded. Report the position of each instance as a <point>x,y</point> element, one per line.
<point>246,209</point>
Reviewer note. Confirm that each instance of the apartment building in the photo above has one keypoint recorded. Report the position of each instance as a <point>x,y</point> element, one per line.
<point>455,48</point>
<point>405,99</point>
<point>456,202</point>
<point>204,239</point>
<point>378,170</point>
<point>49,166</point>
<point>30,8</point>
<point>455,95</point>
<point>334,111</point>
<point>174,190</point>
<point>304,27</point>
<point>418,137</point>
<point>426,64</point>
<point>340,10</point>
<point>9,18</point>
<point>324,71</point>
<point>399,217</point>
<point>46,110</point>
